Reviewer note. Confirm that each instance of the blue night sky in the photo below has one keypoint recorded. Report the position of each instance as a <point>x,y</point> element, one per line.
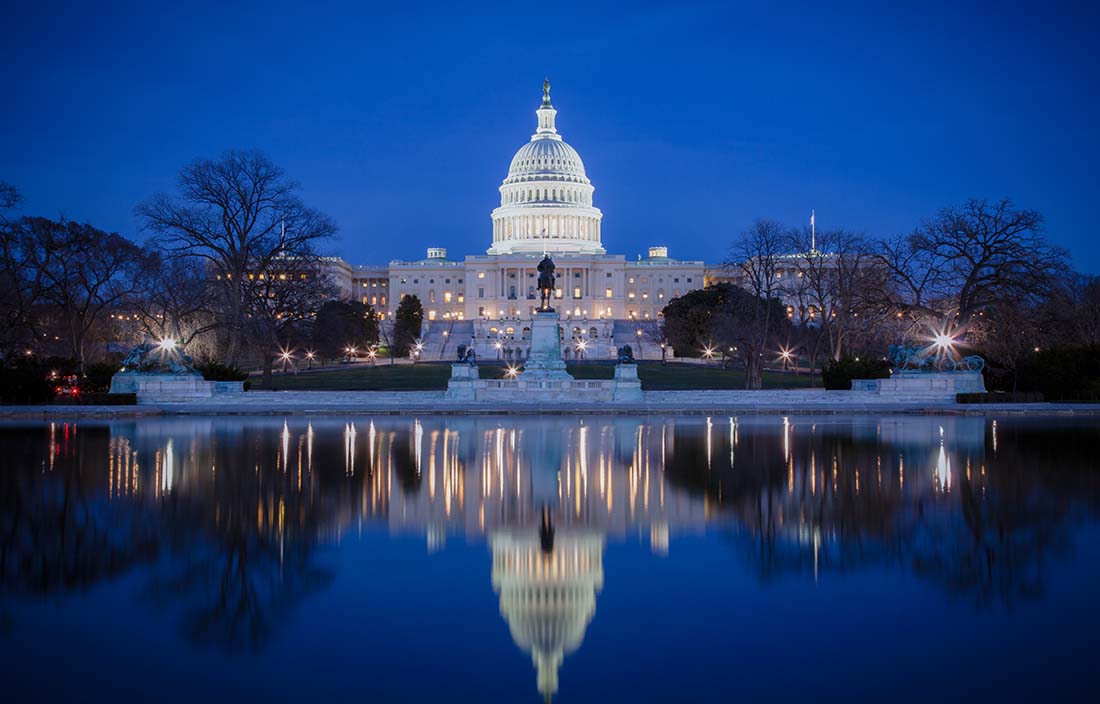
<point>400,118</point>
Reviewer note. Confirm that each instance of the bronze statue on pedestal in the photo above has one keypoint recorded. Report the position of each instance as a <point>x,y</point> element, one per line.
<point>546,283</point>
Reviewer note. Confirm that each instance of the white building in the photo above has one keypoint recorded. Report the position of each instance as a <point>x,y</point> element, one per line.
<point>546,205</point>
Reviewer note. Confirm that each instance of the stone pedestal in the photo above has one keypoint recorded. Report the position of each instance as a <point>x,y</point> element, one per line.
<point>626,385</point>
<point>463,382</point>
<point>152,387</point>
<point>923,386</point>
<point>545,362</point>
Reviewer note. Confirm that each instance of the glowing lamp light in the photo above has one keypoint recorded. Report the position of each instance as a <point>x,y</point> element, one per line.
<point>708,352</point>
<point>310,354</point>
<point>167,344</point>
<point>512,372</point>
<point>943,341</point>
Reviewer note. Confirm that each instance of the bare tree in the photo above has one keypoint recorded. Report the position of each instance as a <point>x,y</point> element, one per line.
<point>968,259</point>
<point>80,271</point>
<point>239,213</point>
<point>9,196</point>
<point>179,302</point>
<point>754,263</point>
<point>20,287</point>
<point>288,295</point>
<point>837,287</point>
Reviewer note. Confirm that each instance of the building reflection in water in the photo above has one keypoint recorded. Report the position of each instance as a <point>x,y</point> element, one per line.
<point>247,504</point>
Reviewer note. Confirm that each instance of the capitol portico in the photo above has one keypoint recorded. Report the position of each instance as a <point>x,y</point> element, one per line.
<point>546,205</point>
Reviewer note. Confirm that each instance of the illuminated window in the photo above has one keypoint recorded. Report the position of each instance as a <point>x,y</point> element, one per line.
<point>446,296</point>
<point>630,280</point>
<point>630,295</point>
<point>481,274</point>
<point>431,315</point>
<point>576,292</point>
<point>607,293</point>
<point>557,293</point>
<point>461,298</point>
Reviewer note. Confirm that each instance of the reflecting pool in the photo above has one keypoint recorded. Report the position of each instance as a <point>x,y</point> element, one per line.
<point>581,559</point>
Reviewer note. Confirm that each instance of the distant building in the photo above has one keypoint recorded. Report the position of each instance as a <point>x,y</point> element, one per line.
<point>546,205</point>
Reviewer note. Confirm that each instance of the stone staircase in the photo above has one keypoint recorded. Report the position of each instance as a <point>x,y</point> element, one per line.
<point>440,346</point>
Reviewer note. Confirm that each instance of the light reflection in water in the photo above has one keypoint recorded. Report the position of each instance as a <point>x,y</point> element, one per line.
<point>547,495</point>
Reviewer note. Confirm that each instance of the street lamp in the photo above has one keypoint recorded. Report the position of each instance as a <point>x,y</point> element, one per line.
<point>286,356</point>
<point>309,356</point>
<point>512,372</point>
<point>785,354</point>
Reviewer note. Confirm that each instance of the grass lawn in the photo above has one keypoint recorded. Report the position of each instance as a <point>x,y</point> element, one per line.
<point>430,375</point>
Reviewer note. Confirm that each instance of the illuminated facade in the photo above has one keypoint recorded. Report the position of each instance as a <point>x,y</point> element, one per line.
<point>546,205</point>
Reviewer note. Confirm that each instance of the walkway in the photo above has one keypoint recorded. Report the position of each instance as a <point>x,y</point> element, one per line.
<point>782,402</point>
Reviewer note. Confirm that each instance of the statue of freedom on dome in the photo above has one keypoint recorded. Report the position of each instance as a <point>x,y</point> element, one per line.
<point>546,282</point>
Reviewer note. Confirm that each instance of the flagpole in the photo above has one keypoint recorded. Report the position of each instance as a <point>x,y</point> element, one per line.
<point>813,232</point>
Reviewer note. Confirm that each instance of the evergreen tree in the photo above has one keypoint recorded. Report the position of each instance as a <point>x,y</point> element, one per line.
<point>343,324</point>
<point>407,322</point>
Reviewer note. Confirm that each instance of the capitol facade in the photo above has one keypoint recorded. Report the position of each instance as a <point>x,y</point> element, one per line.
<point>546,206</point>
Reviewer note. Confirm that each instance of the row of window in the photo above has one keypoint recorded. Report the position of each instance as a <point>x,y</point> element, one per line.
<point>527,195</point>
<point>405,280</point>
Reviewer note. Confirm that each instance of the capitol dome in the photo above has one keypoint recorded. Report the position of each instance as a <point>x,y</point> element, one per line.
<point>546,159</point>
<point>546,199</point>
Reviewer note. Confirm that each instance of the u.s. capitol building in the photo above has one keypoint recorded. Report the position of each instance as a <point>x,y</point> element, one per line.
<point>546,205</point>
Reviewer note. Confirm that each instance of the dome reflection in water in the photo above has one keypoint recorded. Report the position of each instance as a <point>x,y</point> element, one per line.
<point>237,527</point>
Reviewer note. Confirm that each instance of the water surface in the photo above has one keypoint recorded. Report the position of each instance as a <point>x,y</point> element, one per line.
<point>580,559</point>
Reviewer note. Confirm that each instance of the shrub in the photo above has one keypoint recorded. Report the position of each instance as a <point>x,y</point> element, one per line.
<point>24,381</point>
<point>838,375</point>
<point>1063,373</point>
<point>97,377</point>
<point>213,371</point>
